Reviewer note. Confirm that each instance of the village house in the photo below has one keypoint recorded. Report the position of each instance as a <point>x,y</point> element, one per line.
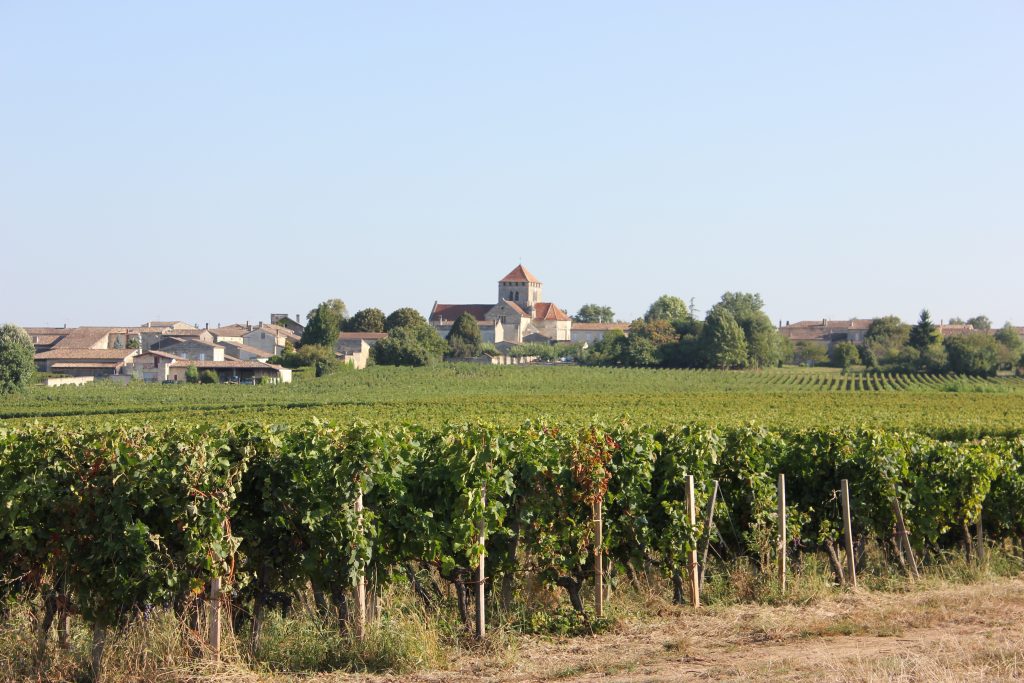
<point>827,332</point>
<point>84,362</point>
<point>270,338</point>
<point>291,324</point>
<point>244,352</point>
<point>354,347</point>
<point>589,333</point>
<point>191,348</point>
<point>158,366</point>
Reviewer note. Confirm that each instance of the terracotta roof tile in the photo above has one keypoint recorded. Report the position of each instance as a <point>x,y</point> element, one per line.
<point>520,274</point>
<point>86,354</point>
<point>450,312</point>
<point>548,311</point>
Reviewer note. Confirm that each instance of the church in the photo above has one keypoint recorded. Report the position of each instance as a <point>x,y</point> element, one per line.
<point>519,317</point>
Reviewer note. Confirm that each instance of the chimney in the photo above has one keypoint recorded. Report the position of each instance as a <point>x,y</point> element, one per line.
<point>787,323</point>
<point>298,317</point>
<point>824,322</point>
<point>248,326</point>
<point>207,325</point>
<point>65,326</point>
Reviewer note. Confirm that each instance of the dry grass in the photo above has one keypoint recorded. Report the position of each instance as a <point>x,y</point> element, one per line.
<point>959,622</point>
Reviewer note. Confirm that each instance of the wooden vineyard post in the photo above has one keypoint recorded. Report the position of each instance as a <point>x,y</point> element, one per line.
<point>215,618</point>
<point>481,616</point>
<point>691,514</point>
<point>360,588</point>
<point>598,559</point>
<point>901,531</point>
<point>782,532</point>
<point>979,539</point>
<point>709,520</point>
<point>851,565</point>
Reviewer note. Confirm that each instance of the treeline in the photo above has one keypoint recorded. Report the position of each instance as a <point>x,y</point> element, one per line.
<point>891,345</point>
<point>410,341</point>
<point>735,333</point>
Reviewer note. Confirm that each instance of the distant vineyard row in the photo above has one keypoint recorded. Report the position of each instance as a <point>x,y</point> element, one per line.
<point>948,406</point>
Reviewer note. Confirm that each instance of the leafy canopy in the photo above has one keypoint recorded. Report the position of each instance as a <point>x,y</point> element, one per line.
<point>670,308</point>
<point>17,355</point>
<point>403,317</point>
<point>366,320</point>
<point>593,313</point>
<point>324,323</point>
<point>464,337</point>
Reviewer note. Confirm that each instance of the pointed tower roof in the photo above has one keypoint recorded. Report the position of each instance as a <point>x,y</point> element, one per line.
<point>520,274</point>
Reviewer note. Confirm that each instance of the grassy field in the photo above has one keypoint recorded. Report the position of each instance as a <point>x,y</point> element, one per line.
<point>787,397</point>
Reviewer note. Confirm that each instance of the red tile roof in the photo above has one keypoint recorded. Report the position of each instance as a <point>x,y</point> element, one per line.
<point>86,354</point>
<point>451,312</point>
<point>520,274</point>
<point>548,311</point>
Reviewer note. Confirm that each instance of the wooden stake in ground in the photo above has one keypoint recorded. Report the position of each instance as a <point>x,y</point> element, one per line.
<point>481,616</point>
<point>99,643</point>
<point>979,539</point>
<point>709,520</point>
<point>901,531</point>
<point>360,588</point>
<point>598,559</point>
<point>691,513</point>
<point>215,618</point>
<point>782,532</point>
<point>851,567</point>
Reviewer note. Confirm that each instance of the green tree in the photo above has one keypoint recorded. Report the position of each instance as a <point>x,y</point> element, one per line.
<point>609,350</point>
<point>809,353</point>
<point>725,345</point>
<point>592,313</point>
<point>843,355</point>
<point>322,359</point>
<point>17,358</point>
<point>209,377</point>
<point>324,323</point>
<point>1011,347</point>
<point>884,341</point>
<point>366,320</point>
<point>670,308</point>
<point>980,322</point>
<point>192,374</point>
<point>763,341</point>
<point>464,338</point>
<point>134,342</point>
<point>417,345</point>
<point>924,334</point>
<point>973,354</point>
<point>403,317</point>
<point>640,352</point>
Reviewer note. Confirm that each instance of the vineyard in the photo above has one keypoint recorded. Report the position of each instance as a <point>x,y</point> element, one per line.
<point>792,398</point>
<point>104,523</point>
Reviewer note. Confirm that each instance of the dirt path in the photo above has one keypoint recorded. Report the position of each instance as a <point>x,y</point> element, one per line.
<point>971,632</point>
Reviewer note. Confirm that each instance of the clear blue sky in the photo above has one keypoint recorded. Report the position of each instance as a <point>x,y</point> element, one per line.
<point>216,161</point>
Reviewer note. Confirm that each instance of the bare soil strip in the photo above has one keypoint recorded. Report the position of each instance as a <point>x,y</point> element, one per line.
<point>945,633</point>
